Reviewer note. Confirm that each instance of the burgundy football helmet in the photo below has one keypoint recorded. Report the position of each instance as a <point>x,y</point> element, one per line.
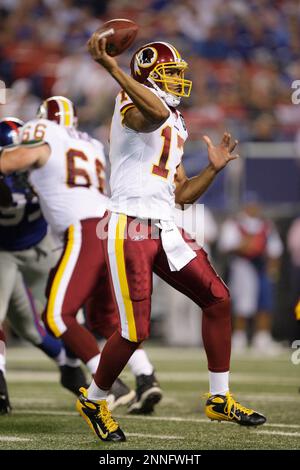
<point>154,62</point>
<point>60,110</point>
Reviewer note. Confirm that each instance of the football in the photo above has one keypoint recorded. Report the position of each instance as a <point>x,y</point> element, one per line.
<point>120,35</point>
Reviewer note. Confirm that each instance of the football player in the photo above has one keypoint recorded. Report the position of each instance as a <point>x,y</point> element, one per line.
<point>147,177</point>
<point>26,257</point>
<point>66,168</point>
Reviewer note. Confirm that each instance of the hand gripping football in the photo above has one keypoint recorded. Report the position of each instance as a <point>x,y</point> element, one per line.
<point>120,34</point>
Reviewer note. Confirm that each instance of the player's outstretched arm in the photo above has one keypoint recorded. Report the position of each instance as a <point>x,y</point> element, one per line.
<point>21,158</point>
<point>150,112</point>
<point>188,190</point>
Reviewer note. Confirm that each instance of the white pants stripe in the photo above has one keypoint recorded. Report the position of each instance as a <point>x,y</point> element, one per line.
<point>112,228</point>
<point>56,313</point>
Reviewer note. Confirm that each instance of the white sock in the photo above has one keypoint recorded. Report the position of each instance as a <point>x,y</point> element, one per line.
<point>2,357</point>
<point>96,393</point>
<point>92,364</point>
<point>2,363</point>
<point>72,362</point>
<point>218,383</point>
<point>61,358</point>
<point>139,363</point>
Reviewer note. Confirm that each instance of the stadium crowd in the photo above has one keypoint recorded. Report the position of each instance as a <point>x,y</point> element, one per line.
<point>243,59</point>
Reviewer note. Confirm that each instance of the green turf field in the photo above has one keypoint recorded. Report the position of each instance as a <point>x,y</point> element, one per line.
<point>44,416</point>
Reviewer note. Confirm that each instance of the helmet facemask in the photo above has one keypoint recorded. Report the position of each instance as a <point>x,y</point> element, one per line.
<point>176,85</point>
<point>160,64</point>
<point>171,87</point>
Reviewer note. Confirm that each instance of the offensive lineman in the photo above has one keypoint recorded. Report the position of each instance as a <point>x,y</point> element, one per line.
<point>67,171</point>
<point>26,257</point>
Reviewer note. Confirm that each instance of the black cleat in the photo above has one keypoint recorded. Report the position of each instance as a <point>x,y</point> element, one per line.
<point>72,378</point>
<point>148,394</point>
<point>225,408</point>
<point>119,394</point>
<point>5,406</point>
<point>99,418</point>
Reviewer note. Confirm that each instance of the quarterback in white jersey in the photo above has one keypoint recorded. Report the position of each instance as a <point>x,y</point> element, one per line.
<point>144,187</point>
<point>148,177</point>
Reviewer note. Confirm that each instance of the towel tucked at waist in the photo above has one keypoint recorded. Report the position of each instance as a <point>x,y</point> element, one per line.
<point>178,252</point>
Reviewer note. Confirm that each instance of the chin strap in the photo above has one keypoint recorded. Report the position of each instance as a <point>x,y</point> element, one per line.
<point>171,100</point>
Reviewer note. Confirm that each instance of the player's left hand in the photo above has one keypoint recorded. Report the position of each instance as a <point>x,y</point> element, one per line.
<point>220,155</point>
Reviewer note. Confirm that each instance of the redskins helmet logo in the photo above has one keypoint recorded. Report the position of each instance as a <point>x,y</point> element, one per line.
<point>146,57</point>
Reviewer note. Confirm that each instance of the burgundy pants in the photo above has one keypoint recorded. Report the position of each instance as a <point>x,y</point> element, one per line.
<point>79,278</point>
<point>133,255</point>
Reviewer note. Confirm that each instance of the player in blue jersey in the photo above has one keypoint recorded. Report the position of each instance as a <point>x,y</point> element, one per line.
<point>27,253</point>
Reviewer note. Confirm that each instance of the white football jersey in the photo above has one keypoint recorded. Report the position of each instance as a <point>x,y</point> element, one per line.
<point>143,165</point>
<point>70,185</point>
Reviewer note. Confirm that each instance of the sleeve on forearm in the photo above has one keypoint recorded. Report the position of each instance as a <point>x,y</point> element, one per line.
<point>38,132</point>
<point>32,143</point>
